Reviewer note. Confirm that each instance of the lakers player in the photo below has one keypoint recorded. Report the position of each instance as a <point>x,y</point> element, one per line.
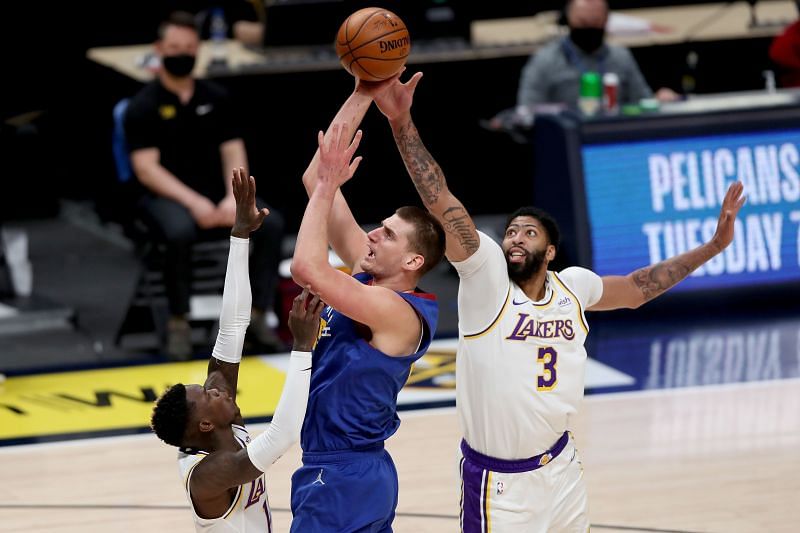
<point>521,357</point>
<point>221,468</point>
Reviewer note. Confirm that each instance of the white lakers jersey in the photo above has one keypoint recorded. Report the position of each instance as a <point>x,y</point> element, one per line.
<point>520,364</point>
<point>249,512</point>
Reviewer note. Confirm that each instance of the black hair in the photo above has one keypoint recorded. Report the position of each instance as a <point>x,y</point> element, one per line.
<point>428,238</point>
<point>549,223</point>
<point>181,19</point>
<point>170,415</point>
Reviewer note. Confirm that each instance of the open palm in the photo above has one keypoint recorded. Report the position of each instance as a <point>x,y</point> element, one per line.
<point>248,216</point>
<point>396,101</point>
<point>731,204</point>
<point>336,163</point>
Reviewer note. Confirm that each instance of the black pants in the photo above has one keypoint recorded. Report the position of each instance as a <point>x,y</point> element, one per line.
<point>173,225</point>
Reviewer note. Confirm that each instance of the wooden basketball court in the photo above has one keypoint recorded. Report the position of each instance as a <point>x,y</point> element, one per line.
<point>711,459</point>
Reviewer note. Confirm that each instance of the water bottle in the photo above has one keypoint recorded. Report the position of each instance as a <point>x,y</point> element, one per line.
<point>591,93</point>
<point>219,37</point>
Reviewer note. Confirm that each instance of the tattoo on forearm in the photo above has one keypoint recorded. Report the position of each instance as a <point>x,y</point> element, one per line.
<point>458,223</point>
<point>656,279</point>
<point>423,169</point>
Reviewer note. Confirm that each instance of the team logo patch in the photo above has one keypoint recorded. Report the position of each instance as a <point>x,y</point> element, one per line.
<point>500,487</point>
<point>543,460</point>
<point>167,112</point>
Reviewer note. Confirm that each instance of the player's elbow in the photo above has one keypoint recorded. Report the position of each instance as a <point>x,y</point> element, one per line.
<point>302,272</point>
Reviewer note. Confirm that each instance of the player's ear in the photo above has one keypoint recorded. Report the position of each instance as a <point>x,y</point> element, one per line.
<point>414,262</point>
<point>551,252</point>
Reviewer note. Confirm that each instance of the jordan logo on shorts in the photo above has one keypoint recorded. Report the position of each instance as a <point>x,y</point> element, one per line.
<point>319,481</point>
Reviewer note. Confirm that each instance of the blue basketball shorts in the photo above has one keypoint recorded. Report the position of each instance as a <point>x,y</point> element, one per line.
<point>350,491</point>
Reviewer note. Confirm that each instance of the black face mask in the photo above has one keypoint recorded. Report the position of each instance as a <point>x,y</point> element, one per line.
<point>180,65</point>
<point>587,39</point>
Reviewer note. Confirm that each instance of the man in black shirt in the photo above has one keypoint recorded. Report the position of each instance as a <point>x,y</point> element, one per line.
<point>183,142</point>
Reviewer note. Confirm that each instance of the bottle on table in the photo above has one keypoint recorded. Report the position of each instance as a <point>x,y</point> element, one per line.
<point>219,37</point>
<point>591,94</point>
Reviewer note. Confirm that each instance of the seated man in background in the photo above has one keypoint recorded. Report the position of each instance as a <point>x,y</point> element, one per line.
<point>181,134</point>
<point>245,19</point>
<point>553,73</point>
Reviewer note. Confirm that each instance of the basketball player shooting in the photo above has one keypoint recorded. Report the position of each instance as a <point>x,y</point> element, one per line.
<point>221,468</point>
<point>377,324</point>
<point>521,357</point>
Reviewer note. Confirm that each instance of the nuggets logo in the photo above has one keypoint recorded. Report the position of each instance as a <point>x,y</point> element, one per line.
<point>549,329</point>
<point>324,329</point>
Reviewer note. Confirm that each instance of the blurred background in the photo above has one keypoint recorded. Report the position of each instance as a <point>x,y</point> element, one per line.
<point>630,182</point>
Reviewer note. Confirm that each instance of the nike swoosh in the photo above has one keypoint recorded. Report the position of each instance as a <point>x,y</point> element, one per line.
<point>519,303</point>
<point>306,369</point>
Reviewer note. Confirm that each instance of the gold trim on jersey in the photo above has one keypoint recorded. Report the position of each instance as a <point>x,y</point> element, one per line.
<point>495,321</point>
<point>487,498</point>
<point>235,503</point>
<point>232,508</point>
<point>190,470</point>
<point>577,302</point>
<point>548,302</point>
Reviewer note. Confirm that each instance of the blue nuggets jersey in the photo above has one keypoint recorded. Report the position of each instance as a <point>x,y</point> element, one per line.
<point>353,395</point>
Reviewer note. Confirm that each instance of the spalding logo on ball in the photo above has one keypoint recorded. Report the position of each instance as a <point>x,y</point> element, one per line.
<point>373,44</point>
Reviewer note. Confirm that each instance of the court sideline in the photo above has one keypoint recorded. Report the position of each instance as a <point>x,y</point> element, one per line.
<point>709,459</point>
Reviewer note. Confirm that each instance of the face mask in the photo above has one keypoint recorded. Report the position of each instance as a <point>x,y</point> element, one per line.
<point>587,39</point>
<point>180,65</point>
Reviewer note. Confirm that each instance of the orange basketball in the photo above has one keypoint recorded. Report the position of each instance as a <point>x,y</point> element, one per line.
<point>373,44</point>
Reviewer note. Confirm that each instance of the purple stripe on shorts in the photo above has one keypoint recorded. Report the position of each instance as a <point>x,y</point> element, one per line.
<point>472,479</point>
<point>513,467</point>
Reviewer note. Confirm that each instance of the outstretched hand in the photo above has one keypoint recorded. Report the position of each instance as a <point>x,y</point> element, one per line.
<point>335,156</point>
<point>248,216</point>
<point>304,320</point>
<point>395,101</point>
<point>731,204</point>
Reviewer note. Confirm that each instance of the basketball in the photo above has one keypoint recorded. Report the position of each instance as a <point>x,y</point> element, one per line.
<point>373,44</point>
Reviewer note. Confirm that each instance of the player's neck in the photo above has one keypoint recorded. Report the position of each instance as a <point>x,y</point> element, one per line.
<point>398,283</point>
<point>535,287</point>
<point>222,439</point>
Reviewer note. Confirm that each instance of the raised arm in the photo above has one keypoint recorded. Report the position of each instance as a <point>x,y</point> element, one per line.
<point>643,285</point>
<point>346,237</point>
<point>223,367</point>
<point>425,172</point>
<point>381,309</point>
<point>225,469</point>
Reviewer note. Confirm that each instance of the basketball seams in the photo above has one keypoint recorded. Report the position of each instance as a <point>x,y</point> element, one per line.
<point>364,23</point>
<point>351,34</point>
<point>376,78</point>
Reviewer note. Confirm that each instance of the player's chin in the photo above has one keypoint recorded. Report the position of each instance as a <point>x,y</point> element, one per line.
<point>367,265</point>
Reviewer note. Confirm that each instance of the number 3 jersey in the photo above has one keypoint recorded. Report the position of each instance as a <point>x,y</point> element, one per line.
<point>521,363</point>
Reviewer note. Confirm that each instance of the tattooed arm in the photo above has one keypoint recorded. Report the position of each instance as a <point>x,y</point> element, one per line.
<point>425,172</point>
<point>643,285</point>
